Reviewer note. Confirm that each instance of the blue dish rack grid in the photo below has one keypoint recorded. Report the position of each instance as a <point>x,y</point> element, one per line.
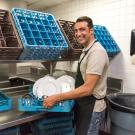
<point>40,35</point>
<point>29,102</point>
<point>104,37</point>
<point>56,124</point>
<point>5,102</point>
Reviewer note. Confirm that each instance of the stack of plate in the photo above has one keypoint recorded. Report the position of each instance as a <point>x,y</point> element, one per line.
<point>48,85</point>
<point>66,83</point>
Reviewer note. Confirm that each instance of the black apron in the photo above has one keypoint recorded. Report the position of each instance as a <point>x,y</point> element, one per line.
<point>84,106</point>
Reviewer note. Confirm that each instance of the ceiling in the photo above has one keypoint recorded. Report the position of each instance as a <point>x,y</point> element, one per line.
<point>40,4</point>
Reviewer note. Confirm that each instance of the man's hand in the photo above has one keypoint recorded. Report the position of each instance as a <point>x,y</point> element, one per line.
<point>50,101</point>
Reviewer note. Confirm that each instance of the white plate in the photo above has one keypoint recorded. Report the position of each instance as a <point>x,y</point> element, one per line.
<point>35,86</point>
<point>39,83</point>
<point>48,88</point>
<point>65,87</point>
<point>66,82</point>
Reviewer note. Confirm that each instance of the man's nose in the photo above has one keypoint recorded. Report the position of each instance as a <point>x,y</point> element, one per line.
<point>77,33</point>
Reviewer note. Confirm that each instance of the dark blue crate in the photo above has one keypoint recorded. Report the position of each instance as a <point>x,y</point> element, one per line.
<point>56,125</point>
<point>104,37</point>
<point>32,26</point>
<point>67,131</point>
<point>31,103</point>
<point>53,131</point>
<point>5,102</point>
<point>11,131</point>
<point>55,119</point>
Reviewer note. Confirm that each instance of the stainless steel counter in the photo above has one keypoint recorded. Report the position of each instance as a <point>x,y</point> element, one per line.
<point>30,77</point>
<point>14,117</point>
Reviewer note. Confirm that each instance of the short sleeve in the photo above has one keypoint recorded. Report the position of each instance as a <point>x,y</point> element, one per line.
<point>96,62</point>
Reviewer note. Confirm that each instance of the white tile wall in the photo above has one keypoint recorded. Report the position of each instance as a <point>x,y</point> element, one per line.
<point>119,17</point>
<point>8,4</point>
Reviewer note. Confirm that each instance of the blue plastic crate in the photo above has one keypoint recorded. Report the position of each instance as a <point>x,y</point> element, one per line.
<point>104,37</point>
<point>54,124</point>
<point>31,103</point>
<point>40,35</point>
<point>5,102</point>
<point>11,131</point>
<point>60,131</point>
<point>62,120</point>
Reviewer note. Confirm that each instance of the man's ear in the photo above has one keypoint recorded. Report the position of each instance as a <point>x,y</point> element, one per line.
<point>91,31</point>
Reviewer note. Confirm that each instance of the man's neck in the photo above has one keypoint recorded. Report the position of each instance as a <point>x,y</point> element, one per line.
<point>90,41</point>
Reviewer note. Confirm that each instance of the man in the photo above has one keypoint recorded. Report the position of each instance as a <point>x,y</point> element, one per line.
<point>90,81</point>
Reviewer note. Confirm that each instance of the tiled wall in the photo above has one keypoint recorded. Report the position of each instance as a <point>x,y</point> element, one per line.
<point>119,17</point>
<point>8,4</point>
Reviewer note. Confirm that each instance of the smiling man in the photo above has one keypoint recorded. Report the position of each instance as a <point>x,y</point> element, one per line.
<point>90,81</point>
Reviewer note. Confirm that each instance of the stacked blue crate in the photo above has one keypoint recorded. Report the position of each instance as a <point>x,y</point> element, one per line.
<point>61,124</point>
<point>11,131</point>
<point>104,37</point>
<point>30,103</point>
<point>40,35</point>
<point>5,102</point>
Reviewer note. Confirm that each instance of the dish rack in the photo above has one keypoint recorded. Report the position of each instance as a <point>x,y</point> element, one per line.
<point>74,49</point>
<point>29,102</point>
<point>55,124</point>
<point>5,102</point>
<point>40,35</point>
<point>104,37</point>
<point>10,45</point>
<point>100,32</point>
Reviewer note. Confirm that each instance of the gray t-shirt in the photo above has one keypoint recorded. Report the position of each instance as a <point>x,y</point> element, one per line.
<point>96,62</point>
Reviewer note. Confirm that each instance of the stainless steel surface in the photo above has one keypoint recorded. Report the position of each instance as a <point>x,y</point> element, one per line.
<point>14,117</point>
<point>6,70</point>
<point>30,61</point>
<point>114,85</point>
<point>4,84</point>
<point>30,77</point>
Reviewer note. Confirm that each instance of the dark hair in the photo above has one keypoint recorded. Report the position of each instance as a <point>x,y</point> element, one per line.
<point>86,19</point>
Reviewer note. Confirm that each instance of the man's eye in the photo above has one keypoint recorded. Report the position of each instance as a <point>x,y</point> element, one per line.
<point>82,29</point>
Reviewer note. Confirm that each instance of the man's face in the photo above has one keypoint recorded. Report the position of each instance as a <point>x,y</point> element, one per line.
<point>82,33</point>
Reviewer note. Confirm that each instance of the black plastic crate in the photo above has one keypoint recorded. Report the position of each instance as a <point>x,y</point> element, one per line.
<point>10,44</point>
<point>2,42</point>
<point>54,124</point>
<point>74,49</point>
<point>4,16</point>
<point>7,29</point>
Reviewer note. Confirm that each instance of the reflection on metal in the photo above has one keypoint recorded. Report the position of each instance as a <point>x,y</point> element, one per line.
<point>14,117</point>
<point>4,118</point>
<point>114,85</point>
<point>6,70</point>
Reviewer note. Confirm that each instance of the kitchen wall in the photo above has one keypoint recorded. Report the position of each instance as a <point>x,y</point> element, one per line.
<point>119,17</point>
<point>8,4</point>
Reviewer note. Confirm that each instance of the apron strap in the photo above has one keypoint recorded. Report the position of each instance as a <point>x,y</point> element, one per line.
<point>87,51</point>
